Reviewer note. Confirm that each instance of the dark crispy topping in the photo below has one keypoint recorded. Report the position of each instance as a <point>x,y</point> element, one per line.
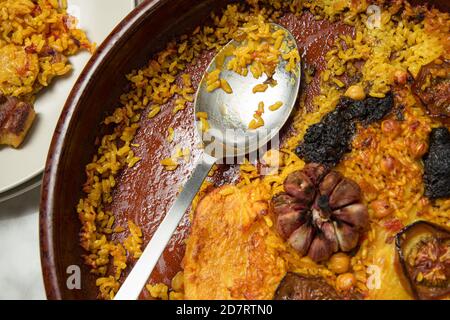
<point>320,213</point>
<point>437,164</point>
<point>327,141</point>
<point>367,111</point>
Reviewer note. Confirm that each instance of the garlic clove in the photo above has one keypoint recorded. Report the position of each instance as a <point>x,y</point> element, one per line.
<point>330,182</point>
<point>330,235</point>
<point>283,203</point>
<point>347,236</point>
<point>298,185</point>
<point>315,172</point>
<point>319,217</point>
<point>346,192</point>
<point>301,238</point>
<point>320,249</point>
<point>287,222</point>
<point>355,214</point>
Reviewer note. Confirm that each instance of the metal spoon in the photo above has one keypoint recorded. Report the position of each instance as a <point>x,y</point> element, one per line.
<point>229,137</point>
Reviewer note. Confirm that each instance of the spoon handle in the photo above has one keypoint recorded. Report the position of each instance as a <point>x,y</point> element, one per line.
<point>133,284</point>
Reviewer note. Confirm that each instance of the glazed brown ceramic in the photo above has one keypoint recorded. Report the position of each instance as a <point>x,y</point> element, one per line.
<point>143,32</point>
<point>144,192</point>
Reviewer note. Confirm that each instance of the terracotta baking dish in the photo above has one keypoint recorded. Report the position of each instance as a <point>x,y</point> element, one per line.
<point>145,191</point>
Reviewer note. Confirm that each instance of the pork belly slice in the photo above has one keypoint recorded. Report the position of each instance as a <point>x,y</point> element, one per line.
<point>16,119</point>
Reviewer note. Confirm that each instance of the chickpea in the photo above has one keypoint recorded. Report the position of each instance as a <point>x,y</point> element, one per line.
<point>176,295</point>
<point>178,282</point>
<point>388,164</point>
<point>441,73</point>
<point>391,127</point>
<point>400,76</point>
<point>345,282</point>
<point>417,148</point>
<point>355,92</point>
<point>424,202</point>
<point>381,209</point>
<point>339,263</point>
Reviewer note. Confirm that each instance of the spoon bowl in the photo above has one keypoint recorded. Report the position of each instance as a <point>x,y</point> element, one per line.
<point>229,115</point>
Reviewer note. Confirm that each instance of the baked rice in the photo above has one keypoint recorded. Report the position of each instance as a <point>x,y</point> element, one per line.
<point>36,39</point>
<point>399,45</point>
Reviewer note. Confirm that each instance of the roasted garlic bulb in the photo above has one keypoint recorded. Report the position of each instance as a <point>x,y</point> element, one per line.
<point>320,213</point>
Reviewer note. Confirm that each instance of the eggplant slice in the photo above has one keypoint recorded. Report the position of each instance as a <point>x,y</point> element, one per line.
<point>423,251</point>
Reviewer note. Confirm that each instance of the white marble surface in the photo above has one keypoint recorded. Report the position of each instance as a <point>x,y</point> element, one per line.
<point>20,265</point>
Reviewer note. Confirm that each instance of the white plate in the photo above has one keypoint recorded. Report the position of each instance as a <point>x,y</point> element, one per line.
<point>29,185</point>
<point>97,18</point>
